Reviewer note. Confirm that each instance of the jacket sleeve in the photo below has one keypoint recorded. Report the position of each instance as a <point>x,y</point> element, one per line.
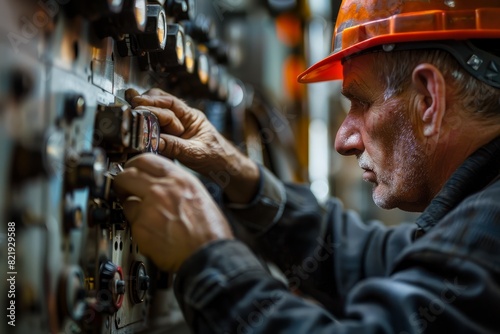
<point>311,243</point>
<point>435,285</point>
<point>224,289</point>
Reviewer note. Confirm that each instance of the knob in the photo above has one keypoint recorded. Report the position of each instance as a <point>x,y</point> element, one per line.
<point>130,20</point>
<point>21,83</point>
<point>73,215</point>
<point>113,127</point>
<point>87,170</point>
<point>214,78</point>
<point>140,282</point>
<point>99,216</point>
<point>219,50</point>
<point>74,106</point>
<point>202,29</point>
<point>172,58</point>
<point>72,293</point>
<point>154,37</point>
<point>195,83</point>
<point>111,287</point>
<point>94,9</point>
<point>42,155</point>
<point>180,9</point>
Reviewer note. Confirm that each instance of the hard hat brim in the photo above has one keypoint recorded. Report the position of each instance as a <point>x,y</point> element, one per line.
<point>330,68</point>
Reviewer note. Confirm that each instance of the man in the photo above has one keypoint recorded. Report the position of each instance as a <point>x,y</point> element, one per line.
<point>424,124</point>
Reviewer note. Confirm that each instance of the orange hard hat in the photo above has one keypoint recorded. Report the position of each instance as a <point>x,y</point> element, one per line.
<point>365,24</point>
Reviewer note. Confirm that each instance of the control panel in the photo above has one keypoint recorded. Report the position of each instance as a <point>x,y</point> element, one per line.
<point>70,260</point>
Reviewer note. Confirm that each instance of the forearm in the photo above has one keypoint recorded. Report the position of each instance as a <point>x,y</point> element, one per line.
<point>236,174</point>
<point>313,244</point>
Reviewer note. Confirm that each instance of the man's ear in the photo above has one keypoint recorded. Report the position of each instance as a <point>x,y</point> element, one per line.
<point>431,89</point>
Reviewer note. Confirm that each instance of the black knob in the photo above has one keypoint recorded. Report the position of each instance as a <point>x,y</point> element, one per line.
<point>130,20</point>
<point>21,83</point>
<point>73,215</point>
<point>113,127</point>
<point>111,287</point>
<point>140,282</point>
<point>71,293</point>
<point>178,9</point>
<point>219,50</point>
<point>99,216</point>
<point>202,29</point>
<point>94,9</point>
<point>172,58</point>
<point>87,170</point>
<point>74,106</point>
<point>154,37</point>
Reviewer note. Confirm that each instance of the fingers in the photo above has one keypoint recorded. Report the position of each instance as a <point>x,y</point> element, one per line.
<point>132,207</point>
<point>130,94</point>
<point>177,106</point>
<point>172,147</point>
<point>169,122</point>
<point>133,182</point>
<point>151,164</point>
<point>144,171</point>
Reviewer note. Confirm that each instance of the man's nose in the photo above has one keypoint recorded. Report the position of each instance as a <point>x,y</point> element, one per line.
<point>348,140</point>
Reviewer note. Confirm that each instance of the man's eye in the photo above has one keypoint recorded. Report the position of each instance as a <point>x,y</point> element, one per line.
<point>357,103</point>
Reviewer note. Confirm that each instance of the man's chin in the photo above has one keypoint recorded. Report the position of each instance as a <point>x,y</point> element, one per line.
<point>382,200</point>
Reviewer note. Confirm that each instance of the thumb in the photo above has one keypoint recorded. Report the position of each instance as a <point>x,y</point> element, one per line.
<point>131,208</point>
<point>171,146</point>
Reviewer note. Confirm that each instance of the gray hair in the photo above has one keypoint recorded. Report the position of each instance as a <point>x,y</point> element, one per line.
<point>476,96</point>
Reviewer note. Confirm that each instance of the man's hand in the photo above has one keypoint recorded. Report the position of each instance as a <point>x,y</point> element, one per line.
<point>171,213</point>
<point>189,137</point>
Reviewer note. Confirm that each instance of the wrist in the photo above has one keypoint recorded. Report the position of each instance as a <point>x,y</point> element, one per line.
<point>238,176</point>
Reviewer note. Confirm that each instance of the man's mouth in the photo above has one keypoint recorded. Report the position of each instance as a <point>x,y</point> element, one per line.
<point>369,175</point>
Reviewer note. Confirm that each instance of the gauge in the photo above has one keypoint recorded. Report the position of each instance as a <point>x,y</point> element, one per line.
<point>189,51</point>
<point>161,29</point>
<point>203,68</point>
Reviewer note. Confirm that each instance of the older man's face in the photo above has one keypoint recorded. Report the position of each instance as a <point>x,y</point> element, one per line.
<point>380,131</point>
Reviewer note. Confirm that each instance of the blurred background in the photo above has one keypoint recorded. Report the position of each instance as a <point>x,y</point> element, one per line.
<point>271,42</point>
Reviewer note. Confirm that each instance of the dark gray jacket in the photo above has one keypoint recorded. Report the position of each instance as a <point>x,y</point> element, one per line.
<point>440,275</point>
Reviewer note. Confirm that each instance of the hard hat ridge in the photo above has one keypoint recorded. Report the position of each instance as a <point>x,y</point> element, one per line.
<point>364,24</point>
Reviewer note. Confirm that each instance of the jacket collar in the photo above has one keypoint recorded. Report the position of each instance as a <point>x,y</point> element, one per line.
<point>480,169</point>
